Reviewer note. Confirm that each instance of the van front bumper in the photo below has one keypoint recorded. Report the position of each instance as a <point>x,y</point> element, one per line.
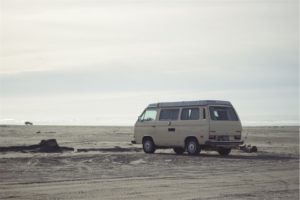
<point>224,143</point>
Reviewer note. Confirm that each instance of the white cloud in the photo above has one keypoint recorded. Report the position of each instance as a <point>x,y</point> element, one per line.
<point>161,34</point>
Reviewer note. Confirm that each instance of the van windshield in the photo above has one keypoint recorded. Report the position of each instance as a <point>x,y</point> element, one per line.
<point>148,115</point>
<point>223,113</point>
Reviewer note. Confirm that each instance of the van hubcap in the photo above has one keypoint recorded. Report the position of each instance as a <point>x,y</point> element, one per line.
<point>148,145</point>
<point>192,147</point>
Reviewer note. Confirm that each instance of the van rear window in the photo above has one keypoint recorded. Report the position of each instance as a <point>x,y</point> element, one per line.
<point>223,113</point>
<point>169,114</point>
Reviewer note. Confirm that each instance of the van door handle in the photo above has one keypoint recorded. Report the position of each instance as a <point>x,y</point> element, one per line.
<point>171,129</point>
<point>153,126</point>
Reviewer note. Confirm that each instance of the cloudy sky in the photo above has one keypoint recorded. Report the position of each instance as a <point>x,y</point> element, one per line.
<point>100,62</point>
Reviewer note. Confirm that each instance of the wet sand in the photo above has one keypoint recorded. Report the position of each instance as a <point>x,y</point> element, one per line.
<point>104,165</point>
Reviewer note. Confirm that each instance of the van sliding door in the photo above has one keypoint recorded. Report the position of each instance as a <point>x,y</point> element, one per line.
<point>166,126</point>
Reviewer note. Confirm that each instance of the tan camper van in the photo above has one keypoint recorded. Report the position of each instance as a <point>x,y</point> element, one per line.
<point>189,126</point>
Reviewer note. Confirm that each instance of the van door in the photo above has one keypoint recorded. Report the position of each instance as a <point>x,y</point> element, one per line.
<point>146,124</point>
<point>224,123</point>
<point>166,126</point>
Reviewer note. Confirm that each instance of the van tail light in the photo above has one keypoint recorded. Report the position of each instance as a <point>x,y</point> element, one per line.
<point>212,137</point>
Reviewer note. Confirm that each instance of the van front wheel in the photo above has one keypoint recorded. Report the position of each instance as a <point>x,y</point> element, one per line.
<point>148,145</point>
<point>178,150</point>
<point>193,147</point>
<point>224,151</point>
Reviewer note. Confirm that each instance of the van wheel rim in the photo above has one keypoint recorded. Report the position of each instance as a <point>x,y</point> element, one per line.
<point>148,146</point>
<point>191,147</point>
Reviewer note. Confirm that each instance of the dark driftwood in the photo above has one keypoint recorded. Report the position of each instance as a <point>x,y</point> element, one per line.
<point>48,146</point>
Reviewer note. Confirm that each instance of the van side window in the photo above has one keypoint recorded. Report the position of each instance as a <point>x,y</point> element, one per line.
<point>223,113</point>
<point>190,114</point>
<point>149,115</point>
<point>169,114</point>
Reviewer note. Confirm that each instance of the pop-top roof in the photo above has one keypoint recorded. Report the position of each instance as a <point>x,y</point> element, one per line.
<point>189,103</point>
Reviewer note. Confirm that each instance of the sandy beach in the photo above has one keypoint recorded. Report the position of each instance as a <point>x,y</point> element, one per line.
<point>124,171</point>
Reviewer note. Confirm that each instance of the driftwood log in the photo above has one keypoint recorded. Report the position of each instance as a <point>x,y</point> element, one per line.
<point>47,146</point>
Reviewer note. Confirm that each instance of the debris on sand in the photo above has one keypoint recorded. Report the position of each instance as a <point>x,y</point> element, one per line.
<point>248,148</point>
<point>46,146</point>
<point>46,132</point>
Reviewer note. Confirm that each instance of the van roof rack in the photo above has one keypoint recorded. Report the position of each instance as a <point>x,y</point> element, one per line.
<point>189,103</point>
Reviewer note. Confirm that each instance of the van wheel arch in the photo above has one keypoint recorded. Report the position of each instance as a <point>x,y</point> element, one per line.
<point>147,137</point>
<point>190,138</point>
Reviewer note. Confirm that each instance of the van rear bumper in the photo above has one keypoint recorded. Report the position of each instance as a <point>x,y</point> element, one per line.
<point>224,143</point>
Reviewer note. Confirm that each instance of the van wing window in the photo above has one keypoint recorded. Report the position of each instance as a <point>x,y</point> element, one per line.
<point>223,113</point>
<point>168,114</point>
<point>149,115</point>
<point>190,114</point>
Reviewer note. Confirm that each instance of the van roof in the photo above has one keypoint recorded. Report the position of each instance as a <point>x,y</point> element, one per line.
<point>189,103</point>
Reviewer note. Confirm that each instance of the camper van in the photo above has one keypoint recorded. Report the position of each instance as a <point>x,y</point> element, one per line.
<point>189,126</point>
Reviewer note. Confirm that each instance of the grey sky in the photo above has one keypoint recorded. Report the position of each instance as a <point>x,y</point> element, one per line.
<point>102,62</point>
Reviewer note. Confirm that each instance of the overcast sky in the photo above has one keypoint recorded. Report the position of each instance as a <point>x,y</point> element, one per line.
<point>95,62</point>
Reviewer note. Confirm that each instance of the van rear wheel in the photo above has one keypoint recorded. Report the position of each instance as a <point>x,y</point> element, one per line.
<point>193,147</point>
<point>148,145</point>
<point>179,150</point>
<point>224,151</point>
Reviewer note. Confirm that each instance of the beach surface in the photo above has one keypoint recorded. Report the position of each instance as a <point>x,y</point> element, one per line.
<point>105,165</point>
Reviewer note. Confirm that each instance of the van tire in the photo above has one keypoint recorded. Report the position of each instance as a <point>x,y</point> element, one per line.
<point>192,146</point>
<point>224,151</point>
<point>148,145</point>
<point>179,150</point>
